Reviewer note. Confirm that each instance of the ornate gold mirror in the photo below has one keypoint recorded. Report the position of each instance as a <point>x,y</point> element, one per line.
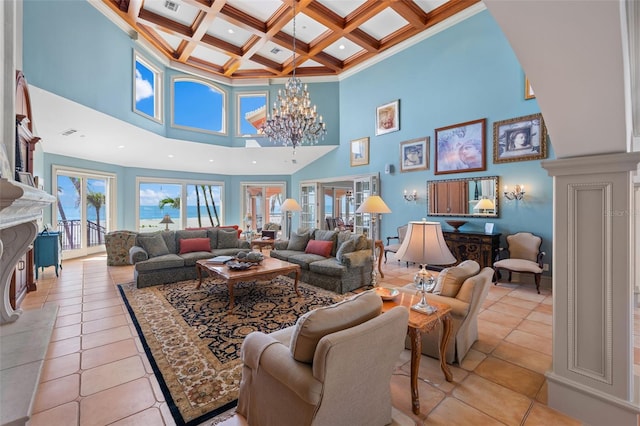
<point>467,197</point>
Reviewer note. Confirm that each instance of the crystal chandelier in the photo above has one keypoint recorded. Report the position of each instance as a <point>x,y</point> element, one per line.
<point>293,120</point>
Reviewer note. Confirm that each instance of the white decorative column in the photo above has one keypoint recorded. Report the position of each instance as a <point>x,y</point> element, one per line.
<point>20,207</point>
<point>592,373</point>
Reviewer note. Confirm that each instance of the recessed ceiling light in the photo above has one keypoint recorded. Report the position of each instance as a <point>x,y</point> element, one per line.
<point>254,162</point>
<point>341,47</point>
<point>230,31</point>
<point>170,155</point>
<point>120,146</point>
<point>211,160</point>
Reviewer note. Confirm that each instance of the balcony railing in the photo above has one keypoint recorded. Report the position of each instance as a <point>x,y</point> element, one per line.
<point>71,233</point>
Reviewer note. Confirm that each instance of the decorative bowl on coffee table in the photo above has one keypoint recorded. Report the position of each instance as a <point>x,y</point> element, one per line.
<point>455,224</point>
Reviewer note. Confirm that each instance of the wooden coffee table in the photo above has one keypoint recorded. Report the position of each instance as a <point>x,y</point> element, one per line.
<point>268,269</point>
<point>422,323</point>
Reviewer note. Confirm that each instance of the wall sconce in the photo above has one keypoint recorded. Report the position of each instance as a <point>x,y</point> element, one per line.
<point>516,194</point>
<point>412,196</point>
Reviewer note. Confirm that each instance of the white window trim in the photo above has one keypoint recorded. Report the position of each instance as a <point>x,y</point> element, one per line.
<point>183,195</point>
<point>157,89</point>
<point>113,190</point>
<point>212,86</point>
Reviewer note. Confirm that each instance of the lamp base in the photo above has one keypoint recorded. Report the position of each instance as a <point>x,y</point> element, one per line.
<point>425,309</point>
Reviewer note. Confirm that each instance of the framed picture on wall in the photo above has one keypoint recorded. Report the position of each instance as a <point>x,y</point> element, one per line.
<point>460,147</point>
<point>251,112</point>
<point>414,155</point>
<point>528,90</point>
<point>359,152</point>
<point>519,139</point>
<point>388,118</point>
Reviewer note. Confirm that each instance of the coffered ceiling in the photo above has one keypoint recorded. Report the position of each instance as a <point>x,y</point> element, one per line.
<point>249,39</point>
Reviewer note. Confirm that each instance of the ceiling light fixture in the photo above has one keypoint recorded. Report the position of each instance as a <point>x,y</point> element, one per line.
<point>293,121</point>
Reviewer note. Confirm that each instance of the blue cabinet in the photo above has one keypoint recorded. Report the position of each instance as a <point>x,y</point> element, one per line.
<point>47,251</point>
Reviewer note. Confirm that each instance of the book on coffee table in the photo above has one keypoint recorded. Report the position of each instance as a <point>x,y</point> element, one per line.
<point>220,260</point>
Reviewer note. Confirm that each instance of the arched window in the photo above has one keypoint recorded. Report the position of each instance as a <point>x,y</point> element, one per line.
<point>198,105</point>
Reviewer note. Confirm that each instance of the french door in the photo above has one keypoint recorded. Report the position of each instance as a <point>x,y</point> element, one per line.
<point>83,210</point>
<point>349,200</point>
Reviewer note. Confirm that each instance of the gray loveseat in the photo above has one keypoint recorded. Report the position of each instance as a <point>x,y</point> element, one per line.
<point>170,256</point>
<point>345,264</point>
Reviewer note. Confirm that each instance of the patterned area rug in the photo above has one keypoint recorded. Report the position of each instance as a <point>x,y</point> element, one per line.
<point>193,342</point>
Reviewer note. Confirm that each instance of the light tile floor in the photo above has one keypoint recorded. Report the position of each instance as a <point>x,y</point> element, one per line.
<point>96,372</point>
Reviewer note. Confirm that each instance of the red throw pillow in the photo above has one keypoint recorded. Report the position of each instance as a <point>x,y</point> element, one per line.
<point>188,245</point>
<point>322,248</point>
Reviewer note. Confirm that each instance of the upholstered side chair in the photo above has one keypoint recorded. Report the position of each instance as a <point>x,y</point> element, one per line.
<point>393,248</point>
<point>333,367</point>
<point>522,255</point>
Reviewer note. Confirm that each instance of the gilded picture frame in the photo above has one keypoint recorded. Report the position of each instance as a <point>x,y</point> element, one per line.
<point>414,155</point>
<point>359,152</point>
<point>520,139</point>
<point>528,89</point>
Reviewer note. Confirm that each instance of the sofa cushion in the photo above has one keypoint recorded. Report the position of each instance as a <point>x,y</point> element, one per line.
<point>166,261</point>
<point>212,234</point>
<point>235,227</point>
<point>227,238</point>
<point>189,245</point>
<point>298,241</point>
<point>305,259</point>
<point>314,325</point>
<point>348,246</point>
<point>322,248</point>
<point>190,259</point>
<point>450,279</point>
<point>329,267</point>
<point>153,244</point>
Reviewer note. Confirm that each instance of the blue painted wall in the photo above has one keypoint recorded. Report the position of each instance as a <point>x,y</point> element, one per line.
<point>96,70</point>
<point>464,73</point>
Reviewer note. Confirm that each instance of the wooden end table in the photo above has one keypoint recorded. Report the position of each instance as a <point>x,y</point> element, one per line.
<point>260,243</point>
<point>268,269</point>
<point>422,323</point>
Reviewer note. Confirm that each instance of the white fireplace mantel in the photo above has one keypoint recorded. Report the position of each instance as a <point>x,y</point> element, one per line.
<point>20,208</point>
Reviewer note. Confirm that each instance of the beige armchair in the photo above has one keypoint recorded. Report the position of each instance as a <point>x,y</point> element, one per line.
<point>333,367</point>
<point>464,289</point>
<point>523,256</point>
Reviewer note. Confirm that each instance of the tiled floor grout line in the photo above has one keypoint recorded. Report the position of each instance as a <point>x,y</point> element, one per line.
<point>113,276</point>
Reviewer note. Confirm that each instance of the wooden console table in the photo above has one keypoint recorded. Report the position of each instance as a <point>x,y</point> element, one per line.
<point>477,246</point>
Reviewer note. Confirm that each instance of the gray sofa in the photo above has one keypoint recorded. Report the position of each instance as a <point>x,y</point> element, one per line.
<point>345,267</point>
<point>170,256</point>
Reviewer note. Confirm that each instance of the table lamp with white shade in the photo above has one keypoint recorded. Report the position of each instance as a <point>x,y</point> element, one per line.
<point>424,244</point>
<point>484,205</point>
<point>373,205</point>
<point>290,205</point>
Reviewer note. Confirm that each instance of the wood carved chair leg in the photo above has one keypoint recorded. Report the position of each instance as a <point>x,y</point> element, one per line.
<point>509,276</point>
<point>537,278</point>
<point>385,256</point>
